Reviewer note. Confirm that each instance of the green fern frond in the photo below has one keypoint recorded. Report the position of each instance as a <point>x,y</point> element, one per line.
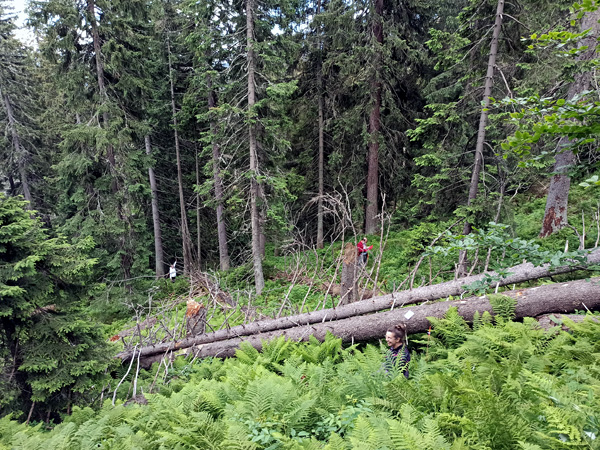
<point>237,438</point>
<point>298,415</point>
<point>294,369</point>
<point>503,307</point>
<point>336,443</point>
<point>362,435</point>
<point>63,437</point>
<point>276,350</point>
<point>477,322</point>
<point>451,330</point>
<point>247,354</point>
<point>209,401</point>
<point>80,415</point>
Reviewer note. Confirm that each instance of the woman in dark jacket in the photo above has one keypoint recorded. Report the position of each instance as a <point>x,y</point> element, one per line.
<point>398,356</point>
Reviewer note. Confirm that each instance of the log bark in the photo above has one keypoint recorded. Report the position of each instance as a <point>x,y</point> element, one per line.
<point>555,298</point>
<point>195,318</point>
<point>520,273</point>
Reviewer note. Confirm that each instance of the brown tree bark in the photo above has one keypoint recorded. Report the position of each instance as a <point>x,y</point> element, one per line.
<point>224,263</point>
<point>489,83</point>
<point>186,239</point>
<point>349,287</point>
<point>520,273</point>
<point>259,281</point>
<point>555,215</point>
<point>556,298</point>
<point>158,248</point>
<point>374,124</point>
<point>195,318</point>
<point>19,153</point>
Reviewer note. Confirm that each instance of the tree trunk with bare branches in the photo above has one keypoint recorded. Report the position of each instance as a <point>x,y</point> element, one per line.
<point>374,124</point>
<point>186,239</point>
<point>259,280</point>
<point>218,183</point>
<point>489,83</point>
<point>555,215</point>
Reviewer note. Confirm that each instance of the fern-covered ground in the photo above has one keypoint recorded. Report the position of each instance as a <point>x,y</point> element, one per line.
<point>503,385</point>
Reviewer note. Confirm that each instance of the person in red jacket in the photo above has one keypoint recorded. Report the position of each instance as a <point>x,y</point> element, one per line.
<point>363,251</point>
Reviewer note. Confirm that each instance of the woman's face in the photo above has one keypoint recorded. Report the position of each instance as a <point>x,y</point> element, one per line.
<point>392,340</point>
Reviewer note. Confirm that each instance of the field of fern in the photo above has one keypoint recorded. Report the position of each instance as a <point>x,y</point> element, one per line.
<point>499,384</point>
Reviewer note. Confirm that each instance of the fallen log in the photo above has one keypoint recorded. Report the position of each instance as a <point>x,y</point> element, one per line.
<point>532,302</point>
<point>520,273</point>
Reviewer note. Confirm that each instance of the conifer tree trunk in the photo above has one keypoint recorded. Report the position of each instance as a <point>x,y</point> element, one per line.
<point>374,124</point>
<point>259,281</point>
<point>555,215</point>
<point>489,82</point>
<point>19,151</point>
<point>198,228</point>
<point>218,182</point>
<point>186,240</point>
<point>321,141</point>
<point>158,248</point>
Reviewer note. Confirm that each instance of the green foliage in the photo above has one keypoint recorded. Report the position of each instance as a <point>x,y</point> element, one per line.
<point>538,118</point>
<point>504,386</point>
<point>503,306</point>
<point>48,352</point>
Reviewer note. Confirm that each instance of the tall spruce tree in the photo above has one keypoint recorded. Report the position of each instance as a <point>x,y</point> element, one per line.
<point>374,118</point>
<point>374,63</point>
<point>209,41</point>
<point>100,174</point>
<point>49,352</point>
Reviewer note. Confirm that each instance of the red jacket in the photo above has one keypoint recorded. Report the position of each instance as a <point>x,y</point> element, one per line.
<point>361,247</point>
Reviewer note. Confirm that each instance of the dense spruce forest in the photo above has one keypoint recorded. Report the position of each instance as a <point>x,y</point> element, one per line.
<point>183,191</point>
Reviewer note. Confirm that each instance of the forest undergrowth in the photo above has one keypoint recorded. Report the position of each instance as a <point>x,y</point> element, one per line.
<point>301,280</point>
<point>497,384</point>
